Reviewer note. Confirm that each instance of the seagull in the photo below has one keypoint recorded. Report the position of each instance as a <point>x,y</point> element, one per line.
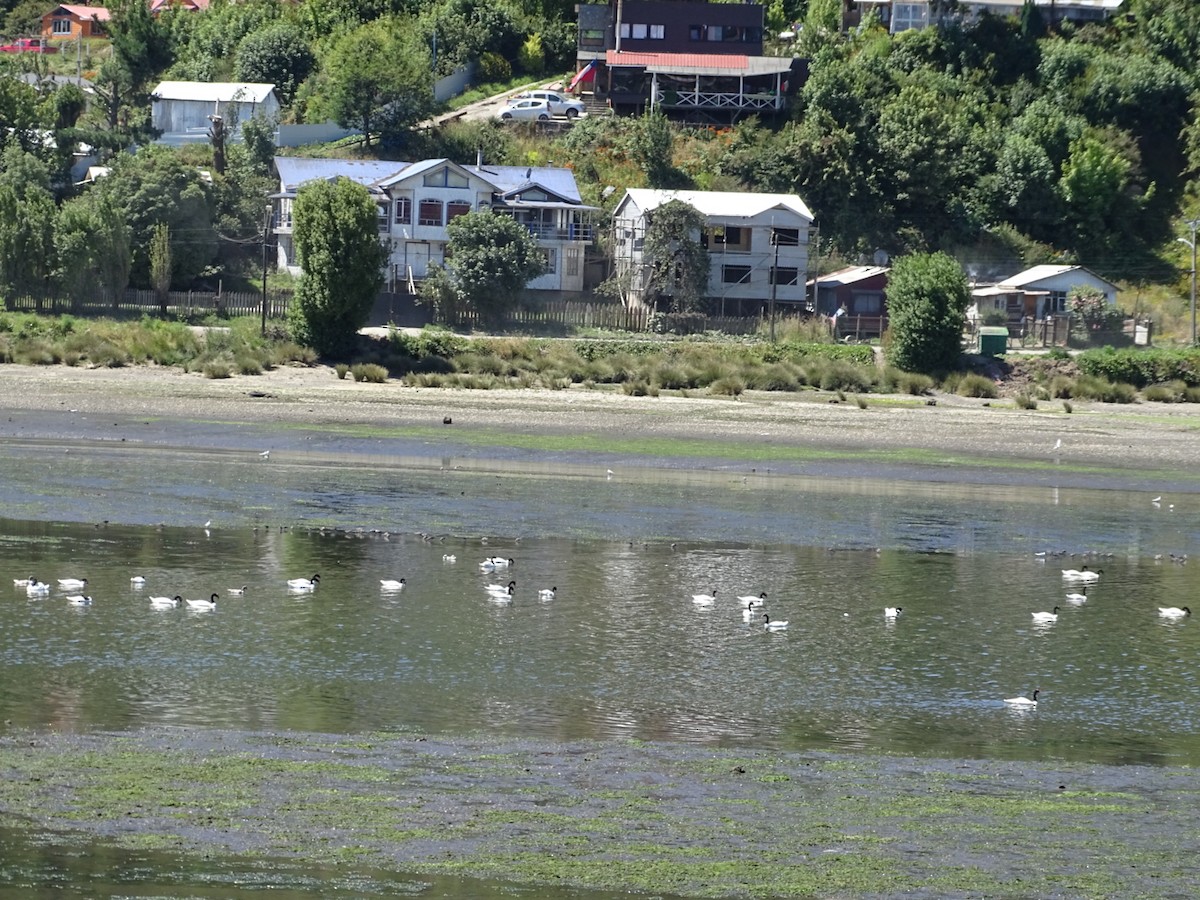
<point>266,454</point>
<point>1023,701</point>
<point>1058,444</point>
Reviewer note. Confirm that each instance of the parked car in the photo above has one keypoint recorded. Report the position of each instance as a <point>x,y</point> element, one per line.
<point>528,109</point>
<point>560,104</point>
<point>28,45</point>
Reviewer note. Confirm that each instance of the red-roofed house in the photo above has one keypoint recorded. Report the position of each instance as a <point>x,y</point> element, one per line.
<point>71,21</point>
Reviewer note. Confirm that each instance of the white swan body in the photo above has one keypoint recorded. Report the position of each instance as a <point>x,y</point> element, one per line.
<point>449,557</point>
<point>303,584</point>
<point>890,612</point>
<point>548,593</point>
<point>495,562</point>
<point>137,580</point>
<point>704,599</point>
<point>391,584</point>
<point>35,587</point>
<point>23,582</point>
<point>72,584</point>
<point>751,601</point>
<point>505,596</point>
<point>776,625</point>
<point>1076,598</point>
<point>1023,701</point>
<point>79,600</point>
<point>1174,612</point>
<point>210,603</point>
<point>1046,616</point>
<point>165,602</point>
<point>499,590</point>
<point>236,592</point>
<point>1085,574</point>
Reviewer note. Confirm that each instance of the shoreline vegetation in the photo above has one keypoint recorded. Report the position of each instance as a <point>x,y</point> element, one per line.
<point>685,819</point>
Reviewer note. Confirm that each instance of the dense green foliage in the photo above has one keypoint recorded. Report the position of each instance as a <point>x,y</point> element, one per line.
<point>927,299</point>
<point>337,244</point>
<point>675,262</point>
<point>1142,367</point>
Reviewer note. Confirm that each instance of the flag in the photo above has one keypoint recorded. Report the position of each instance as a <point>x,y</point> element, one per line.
<point>587,73</point>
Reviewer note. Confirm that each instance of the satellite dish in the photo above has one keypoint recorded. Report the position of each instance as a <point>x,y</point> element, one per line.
<point>881,257</point>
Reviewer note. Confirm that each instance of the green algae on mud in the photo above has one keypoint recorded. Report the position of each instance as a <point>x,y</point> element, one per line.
<point>631,816</point>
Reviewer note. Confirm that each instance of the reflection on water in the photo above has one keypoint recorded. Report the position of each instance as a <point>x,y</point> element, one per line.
<point>621,651</point>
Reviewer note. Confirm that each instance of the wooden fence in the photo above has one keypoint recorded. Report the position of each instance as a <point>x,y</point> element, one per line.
<point>180,304</point>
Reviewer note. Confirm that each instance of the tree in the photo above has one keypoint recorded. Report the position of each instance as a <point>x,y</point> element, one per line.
<point>91,240</point>
<point>927,298</point>
<point>27,215</point>
<point>650,145</point>
<point>492,257</point>
<point>278,55</point>
<point>676,261</point>
<point>336,235</point>
<point>377,79</point>
<point>160,263</point>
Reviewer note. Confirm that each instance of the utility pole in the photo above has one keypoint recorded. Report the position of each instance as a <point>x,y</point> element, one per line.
<point>774,279</point>
<point>266,234</point>
<point>1193,225</point>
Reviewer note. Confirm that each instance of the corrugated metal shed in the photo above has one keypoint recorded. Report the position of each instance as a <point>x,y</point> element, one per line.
<point>214,91</point>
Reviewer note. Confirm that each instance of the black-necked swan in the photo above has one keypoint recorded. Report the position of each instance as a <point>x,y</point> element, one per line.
<point>754,601</point>
<point>1023,701</point>
<point>137,580</point>
<point>37,587</point>
<point>890,612</point>
<point>1046,616</point>
<point>391,584</point>
<point>303,584</point>
<point>1077,598</point>
<point>704,599</point>
<point>1174,612</point>
<point>777,625</point>
<point>500,589</point>
<point>210,603</point>
<point>165,602</point>
<point>79,600</point>
<point>236,592</point>
<point>72,584</point>
<point>548,593</point>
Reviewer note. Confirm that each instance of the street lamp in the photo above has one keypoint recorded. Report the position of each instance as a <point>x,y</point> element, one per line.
<point>1193,225</point>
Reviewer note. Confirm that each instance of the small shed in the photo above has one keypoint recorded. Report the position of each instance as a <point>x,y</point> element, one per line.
<point>181,110</point>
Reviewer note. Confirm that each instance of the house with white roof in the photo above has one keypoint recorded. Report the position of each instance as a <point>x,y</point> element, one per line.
<point>417,200</point>
<point>182,110</point>
<point>1036,293</point>
<point>902,15</point>
<point>757,243</point>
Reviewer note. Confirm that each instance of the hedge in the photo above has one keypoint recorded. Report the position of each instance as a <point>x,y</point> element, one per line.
<point>1142,367</point>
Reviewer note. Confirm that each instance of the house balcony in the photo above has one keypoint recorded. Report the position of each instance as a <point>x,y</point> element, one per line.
<point>575,232</point>
<point>671,99</point>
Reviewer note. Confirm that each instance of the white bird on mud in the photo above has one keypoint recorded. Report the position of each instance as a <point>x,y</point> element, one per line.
<point>391,584</point>
<point>1174,612</point>
<point>210,603</point>
<point>165,602</point>
<point>1046,616</point>
<point>775,625</point>
<point>72,584</point>
<point>303,584</point>
<point>1023,701</point>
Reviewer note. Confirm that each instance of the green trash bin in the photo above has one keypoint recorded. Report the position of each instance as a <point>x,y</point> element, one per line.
<point>993,341</point>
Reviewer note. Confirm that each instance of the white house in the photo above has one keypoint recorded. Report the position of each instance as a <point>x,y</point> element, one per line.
<point>417,200</point>
<point>181,110</point>
<point>757,243</point>
<point>1037,292</point>
<point>903,15</point>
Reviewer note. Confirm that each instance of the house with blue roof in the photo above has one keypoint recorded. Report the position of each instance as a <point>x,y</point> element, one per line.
<point>417,200</point>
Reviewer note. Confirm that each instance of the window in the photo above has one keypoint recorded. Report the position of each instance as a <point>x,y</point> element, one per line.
<point>697,32</point>
<point>784,275</point>
<point>658,32</point>
<point>550,255</point>
<point>403,207</point>
<point>571,260</point>
<point>735,274</point>
<point>430,213</point>
<point>728,238</point>
<point>383,212</point>
<point>62,26</point>
<point>1057,302</point>
<point>787,237</point>
<point>867,304</point>
<point>909,15</point>
<point>445,178</point>
<point>639,32</point>
<point>456,208</point>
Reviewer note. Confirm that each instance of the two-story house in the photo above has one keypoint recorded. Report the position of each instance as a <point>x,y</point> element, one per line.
<point>417,200</point>
<point>694,60</point>
<point>757,244</point>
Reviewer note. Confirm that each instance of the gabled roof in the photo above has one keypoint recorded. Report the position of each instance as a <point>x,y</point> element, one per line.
<point>505,180</point>
<point>700,63</point>
<point>214,91</point>
<point>851,275</point>
<point>1041,273</point>
<point>95,13</point>
<point>718,204</point>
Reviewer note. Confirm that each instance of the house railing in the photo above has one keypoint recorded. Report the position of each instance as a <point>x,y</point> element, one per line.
<point>553,233</point>
<point>707,100</point>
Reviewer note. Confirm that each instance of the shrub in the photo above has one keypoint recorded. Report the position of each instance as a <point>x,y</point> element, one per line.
<point>1090,387</point>
<point>1061,386</point>
<point>1171,392</point>
<point>1024,401</point>
<point>973,385</point>
<point>1067,407</point>
<point>341,369</point>
<point>369,372</point>
<point>1141,367</point>
<point>218,368</point>
<point>727,386</point>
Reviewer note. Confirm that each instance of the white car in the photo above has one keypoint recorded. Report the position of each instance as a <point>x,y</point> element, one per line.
<point>560,104</point>
<point>527,109</point>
